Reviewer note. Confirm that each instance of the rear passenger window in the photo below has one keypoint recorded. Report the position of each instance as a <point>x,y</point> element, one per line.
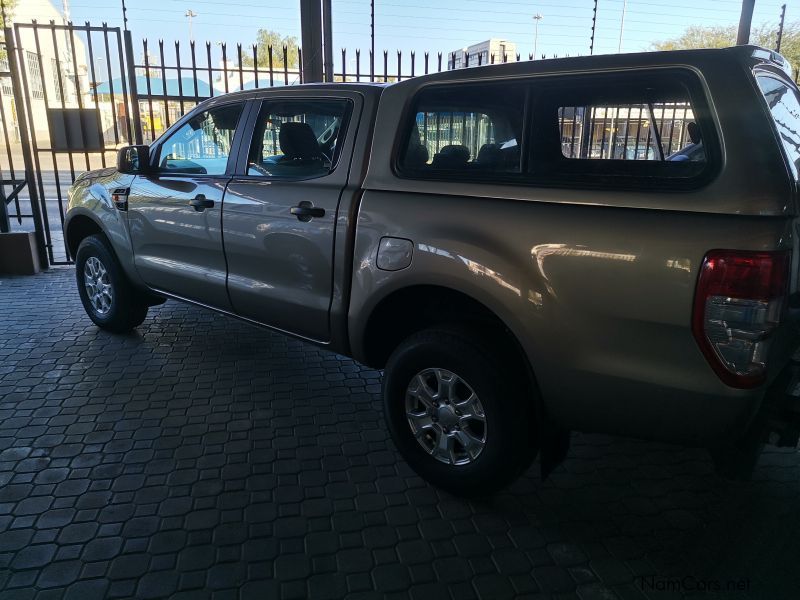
<point>472,130</point>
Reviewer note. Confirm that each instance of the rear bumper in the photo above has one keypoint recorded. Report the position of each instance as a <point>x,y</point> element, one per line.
<point>777,422</point>
<point>779,415</point>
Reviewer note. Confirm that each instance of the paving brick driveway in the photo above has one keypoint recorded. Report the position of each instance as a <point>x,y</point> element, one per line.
<point>201,457</point>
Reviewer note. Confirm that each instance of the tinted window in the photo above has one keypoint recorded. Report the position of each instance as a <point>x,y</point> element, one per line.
<point>785,109</point>
<point>658,131</point>
<point>202,145</point>
<point>617,128</point>
<point>297,138</point>
<point>458,130</point>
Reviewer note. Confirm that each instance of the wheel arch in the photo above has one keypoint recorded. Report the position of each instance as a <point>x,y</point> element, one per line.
<point>413,308</point>
<point>78,228</point>
<point>82,222</point>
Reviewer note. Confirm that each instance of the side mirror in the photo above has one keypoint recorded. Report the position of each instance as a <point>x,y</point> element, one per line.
<point>133,160</point>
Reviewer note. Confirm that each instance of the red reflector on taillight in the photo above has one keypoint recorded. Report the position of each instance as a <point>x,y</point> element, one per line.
<point>738,304</point>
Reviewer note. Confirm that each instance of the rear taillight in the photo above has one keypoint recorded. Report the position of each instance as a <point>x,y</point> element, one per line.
<point>739,302</point>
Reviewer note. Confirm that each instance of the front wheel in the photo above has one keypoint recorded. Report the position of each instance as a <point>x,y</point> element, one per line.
<point>107,296</point>
<point>458,413</point>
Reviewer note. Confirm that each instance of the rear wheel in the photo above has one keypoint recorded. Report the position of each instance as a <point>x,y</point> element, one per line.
<point>458,413</point>
<point>105,291</point>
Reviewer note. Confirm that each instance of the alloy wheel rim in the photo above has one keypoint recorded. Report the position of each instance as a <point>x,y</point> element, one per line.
<point>98,285</point>
<point>446,416</point>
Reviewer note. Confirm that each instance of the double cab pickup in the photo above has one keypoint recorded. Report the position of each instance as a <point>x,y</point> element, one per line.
<point>601,244</point>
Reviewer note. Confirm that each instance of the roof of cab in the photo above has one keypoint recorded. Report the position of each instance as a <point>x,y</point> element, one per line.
<point>365,88</point>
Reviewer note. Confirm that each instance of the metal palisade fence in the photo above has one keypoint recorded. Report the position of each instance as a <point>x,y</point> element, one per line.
<point>71,95</point>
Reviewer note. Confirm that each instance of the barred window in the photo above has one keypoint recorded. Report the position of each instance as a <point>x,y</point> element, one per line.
<point>5,82</point>
<point>57,82</point>
<point>36,83</point>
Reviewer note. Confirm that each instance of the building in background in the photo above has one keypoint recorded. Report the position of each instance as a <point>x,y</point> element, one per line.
<point>54,77</point>
<point>494,47</point>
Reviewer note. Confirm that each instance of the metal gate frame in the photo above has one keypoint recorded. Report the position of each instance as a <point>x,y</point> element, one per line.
<point>17,184</point>
<point>52,242</point>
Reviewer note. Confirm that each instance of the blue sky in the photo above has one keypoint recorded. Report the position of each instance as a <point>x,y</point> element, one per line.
<point>435,26</point>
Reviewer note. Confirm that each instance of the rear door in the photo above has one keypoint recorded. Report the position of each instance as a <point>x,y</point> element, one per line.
<point>174,213</point>
<point>280,211</point>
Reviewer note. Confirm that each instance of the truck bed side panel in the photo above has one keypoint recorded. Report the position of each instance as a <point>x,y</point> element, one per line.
<point>600,299</point>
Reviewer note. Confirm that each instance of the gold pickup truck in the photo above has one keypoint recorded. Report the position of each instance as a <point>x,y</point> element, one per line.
<point>605,244</point>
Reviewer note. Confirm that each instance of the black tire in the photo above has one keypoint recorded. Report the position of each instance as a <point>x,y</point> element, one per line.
<point>503,392</point>
<point>125,309</point>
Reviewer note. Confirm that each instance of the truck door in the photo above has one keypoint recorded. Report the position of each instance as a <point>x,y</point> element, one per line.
<point>280,211</point>
<point>174,213</point>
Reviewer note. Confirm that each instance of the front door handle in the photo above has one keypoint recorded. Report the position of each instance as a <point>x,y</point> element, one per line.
<point>200,203</point>
<point>305,211</point>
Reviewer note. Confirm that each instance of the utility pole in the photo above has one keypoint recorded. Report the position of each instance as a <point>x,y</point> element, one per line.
<point>745,22</point>
<point>311,40</point>
<point>594,24</point>
<point>124,16</point>
<point>780,29</point>
<point>372,37</point>
<point>191,15</point>
<point>536,18</point>
<point>327,40</point>
<point>622,24</point>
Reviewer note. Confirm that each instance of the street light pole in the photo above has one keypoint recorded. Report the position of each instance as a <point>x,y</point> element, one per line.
<point>622,25</point>
<point>536,18</point>
<point>191,14</point>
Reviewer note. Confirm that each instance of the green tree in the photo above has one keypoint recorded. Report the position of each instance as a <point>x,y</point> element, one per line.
<point>264,40</point>
<point>721,36</point>
<point>7,14</point>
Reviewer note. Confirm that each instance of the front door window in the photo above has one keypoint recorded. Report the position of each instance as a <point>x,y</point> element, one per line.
<point>202,145</point>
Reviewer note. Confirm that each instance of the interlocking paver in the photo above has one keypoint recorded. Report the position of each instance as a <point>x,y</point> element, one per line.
<point>203,458</point>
